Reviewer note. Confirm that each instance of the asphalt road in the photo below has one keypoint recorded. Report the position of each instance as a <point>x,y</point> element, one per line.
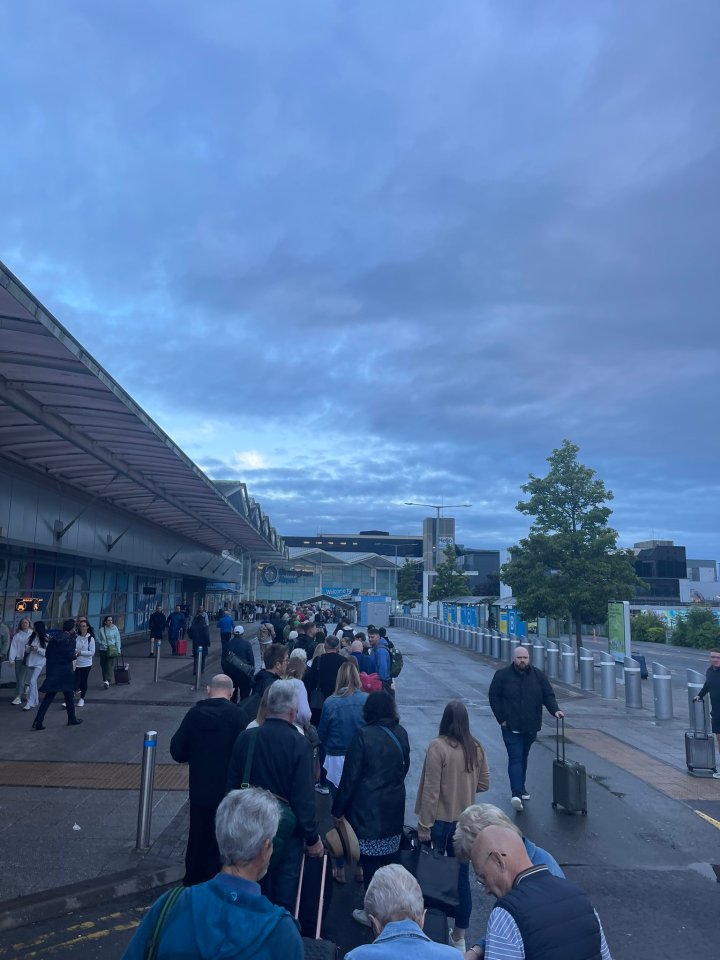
<point>645,859</point>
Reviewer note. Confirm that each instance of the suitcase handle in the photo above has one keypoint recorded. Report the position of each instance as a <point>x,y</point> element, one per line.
<point>701,705</point>
<point>560,720</point>
<point>322,892</point>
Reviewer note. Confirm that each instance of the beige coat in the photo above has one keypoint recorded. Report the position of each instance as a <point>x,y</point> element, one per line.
<point>446,788</point>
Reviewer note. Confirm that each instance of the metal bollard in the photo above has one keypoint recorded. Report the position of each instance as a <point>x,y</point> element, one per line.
<point>587,669</point>
<point>695,683</point>
<point>633,684</point>
<point>505,648</point>
<point>567,661</point>
<point>495,645</point>
<point>608,688</point>
<point>147,777</point>
<point>198,668</point>
<point>514,644</point>
<point>158,644</point>
<point>662,692</point>
<point>552,655</point>
<point>538,654</point>
<point>485,638</point>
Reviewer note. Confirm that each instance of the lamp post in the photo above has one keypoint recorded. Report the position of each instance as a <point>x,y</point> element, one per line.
<point>439,507</point>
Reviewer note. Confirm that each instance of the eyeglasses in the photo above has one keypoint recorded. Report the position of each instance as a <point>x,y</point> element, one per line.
<point>480,878</point>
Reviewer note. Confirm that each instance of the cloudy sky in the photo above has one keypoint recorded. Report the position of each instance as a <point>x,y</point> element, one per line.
<point>358,253</point>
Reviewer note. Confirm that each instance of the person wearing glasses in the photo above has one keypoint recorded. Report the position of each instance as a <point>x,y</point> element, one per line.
<point>535,913</point>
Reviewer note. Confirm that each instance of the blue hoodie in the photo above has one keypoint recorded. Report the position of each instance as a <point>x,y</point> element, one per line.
<point>226,918</point>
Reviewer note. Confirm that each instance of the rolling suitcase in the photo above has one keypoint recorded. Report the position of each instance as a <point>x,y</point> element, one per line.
<point>182,647</point>
<point>121,671</point>
<point>569,780</point>
<point>309,889</point>
<point>699,745</point>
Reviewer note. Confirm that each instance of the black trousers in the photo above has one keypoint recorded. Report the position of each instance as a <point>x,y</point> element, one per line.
<point>48,699</point>
<point>202,857</point>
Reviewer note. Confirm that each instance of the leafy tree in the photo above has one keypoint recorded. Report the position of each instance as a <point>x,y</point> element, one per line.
<point>647,627</point>
<point>569,563</point>
<point>449,580</point>
<point>698,629</point>
<point>409,584</point>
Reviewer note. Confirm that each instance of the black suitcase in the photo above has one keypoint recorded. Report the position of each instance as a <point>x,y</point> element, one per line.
<point>436,926</point>
<point>569,780</point>
<point>121,672</point>
<point>699,745</point>
<point>310,907</point>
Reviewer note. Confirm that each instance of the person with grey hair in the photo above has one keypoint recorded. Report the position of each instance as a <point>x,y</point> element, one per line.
<point>205,741</point>
<point>394,905</point>
<point>278,758</point>
<point>227,916</point>
<point>478,817</point>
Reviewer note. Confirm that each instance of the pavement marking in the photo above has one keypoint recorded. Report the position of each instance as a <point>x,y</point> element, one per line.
<point>39,946</point>
<point>665,778</point>
<point>712,820</point>
<point>88,775</point>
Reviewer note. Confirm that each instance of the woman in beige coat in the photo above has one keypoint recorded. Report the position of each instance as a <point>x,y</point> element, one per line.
<point>454,771</point>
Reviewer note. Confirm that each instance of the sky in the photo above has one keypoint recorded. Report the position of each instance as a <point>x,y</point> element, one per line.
<point>361,253</point>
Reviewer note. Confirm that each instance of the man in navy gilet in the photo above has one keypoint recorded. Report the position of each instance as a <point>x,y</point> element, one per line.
<point>537,916</point>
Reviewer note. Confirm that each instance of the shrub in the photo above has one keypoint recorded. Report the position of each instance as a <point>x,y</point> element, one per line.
<point>648,628</point>
<point>698,629</point>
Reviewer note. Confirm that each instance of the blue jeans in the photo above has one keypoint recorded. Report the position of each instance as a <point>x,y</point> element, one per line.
<point>441,836</point>
<point>518,747</point>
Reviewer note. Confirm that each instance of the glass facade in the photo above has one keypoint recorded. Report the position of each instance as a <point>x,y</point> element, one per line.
<point>298,582</point>
<point>53,591</point>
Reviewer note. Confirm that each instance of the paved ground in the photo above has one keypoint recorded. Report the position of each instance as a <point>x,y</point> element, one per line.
<point>645,853</point>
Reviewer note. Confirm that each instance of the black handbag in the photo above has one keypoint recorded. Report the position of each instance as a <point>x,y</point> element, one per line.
<point>239,664</point>
<point>437,875</point>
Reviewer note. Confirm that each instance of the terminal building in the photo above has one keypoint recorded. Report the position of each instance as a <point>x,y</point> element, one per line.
<point>100,512</point>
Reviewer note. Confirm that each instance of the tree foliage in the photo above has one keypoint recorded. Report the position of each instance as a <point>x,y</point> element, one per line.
<point>647,627</point>
<point>449,580</point>
<point>409,584</point>
<point>698,629</point>
<point>569,562</point>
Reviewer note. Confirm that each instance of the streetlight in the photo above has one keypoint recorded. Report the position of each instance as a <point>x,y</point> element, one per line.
<point>426,574</point>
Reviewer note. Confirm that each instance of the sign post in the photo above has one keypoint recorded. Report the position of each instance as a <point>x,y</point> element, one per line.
<point>619,645</point>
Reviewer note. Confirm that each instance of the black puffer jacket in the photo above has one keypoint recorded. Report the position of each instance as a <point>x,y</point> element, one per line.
<point>205,740</point>
<point>372,788</point>
<point>518,696</point>
<point>59,656</point>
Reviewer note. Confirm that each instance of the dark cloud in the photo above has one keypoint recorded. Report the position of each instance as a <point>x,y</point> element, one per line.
<point>400,250</point>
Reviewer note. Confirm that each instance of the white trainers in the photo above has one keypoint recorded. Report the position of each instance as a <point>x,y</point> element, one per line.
<point>525,796</point>
<point>28,706</point>
<point>16,702</point>
<point>361,917</point>
<point>80,703</point>
<point>716,776</point>
<point>517,804</point>
<point>106,684</point>
<point>458,944</point>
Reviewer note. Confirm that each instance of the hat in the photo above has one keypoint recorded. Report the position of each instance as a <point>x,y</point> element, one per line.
<point>293,635</point>
<point>342,841</point>
<point>239,630</point>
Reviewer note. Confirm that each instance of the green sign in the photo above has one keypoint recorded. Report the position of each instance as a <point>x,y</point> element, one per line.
<point>619,629</point>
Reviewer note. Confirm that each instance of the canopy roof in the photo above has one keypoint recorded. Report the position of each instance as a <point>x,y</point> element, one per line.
<point>317,555</point>
<point>63,415</point>
<point>324,598</point>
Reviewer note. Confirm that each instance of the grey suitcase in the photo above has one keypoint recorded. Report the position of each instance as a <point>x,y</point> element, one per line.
<point>569,780</point>
<point>699,744</point>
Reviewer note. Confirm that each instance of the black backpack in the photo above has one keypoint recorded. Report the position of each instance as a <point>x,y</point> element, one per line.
<point>396,658</point>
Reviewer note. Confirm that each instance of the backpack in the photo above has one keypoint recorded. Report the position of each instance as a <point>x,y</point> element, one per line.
<point>396,658</point>
<point>370,682</point>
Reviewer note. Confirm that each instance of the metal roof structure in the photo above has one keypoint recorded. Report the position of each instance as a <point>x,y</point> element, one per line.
<point>64,416</point>
<point>347,558</point>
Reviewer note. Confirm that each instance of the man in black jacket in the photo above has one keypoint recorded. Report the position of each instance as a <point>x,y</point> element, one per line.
<point>238,662</point>
<point>278,758</point>
<point>306,638</point>
<point>275,659</point>
<point>158,624</point>
<point>517,695</point>
<point>205,740</point>
<point>712,686</point>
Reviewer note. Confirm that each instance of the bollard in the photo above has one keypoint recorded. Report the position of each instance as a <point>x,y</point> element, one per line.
<point>567,662</point>
<point>505,648</point>
<point>158,644</point>
<point>198,667</point>
<point>633,685</point>
<point>587,669</point>
<point>608,689</point>
<point>695,683</point>
<point>477,641</point>
<point>142,841</point>
<point>514,644</point>
<point>552,655</point>
<point>662,692</point>
<point>538,654</point>
<point>495,645</point>
<point>485,634</point>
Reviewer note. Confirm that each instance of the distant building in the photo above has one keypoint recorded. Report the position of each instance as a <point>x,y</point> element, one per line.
<point>671,578</point>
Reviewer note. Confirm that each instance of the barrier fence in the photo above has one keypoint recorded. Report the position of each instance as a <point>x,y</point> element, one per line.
<point>559,662</point>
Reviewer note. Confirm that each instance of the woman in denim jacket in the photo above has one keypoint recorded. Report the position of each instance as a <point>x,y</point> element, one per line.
<point>342,715</point>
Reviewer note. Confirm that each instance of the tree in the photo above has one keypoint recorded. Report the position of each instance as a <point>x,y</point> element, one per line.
<point>698,629</point>
<point>409,584</point>
<point>449,580</point>
<point>569,563</point>
<point>647,627</point>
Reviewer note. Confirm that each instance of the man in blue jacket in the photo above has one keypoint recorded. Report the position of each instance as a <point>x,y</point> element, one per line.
<point>380,656</point>
<point>225,626</point>
<point>228,916</point>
